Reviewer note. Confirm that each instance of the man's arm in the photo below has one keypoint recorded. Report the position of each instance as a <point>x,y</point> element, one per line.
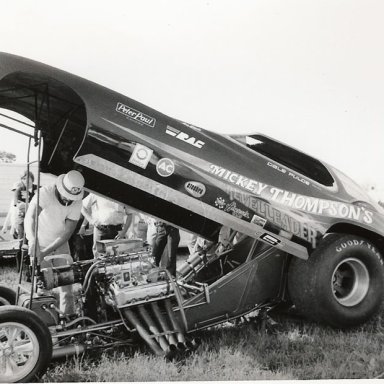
<point>30,220</point>
<point>82,228</point>
<point>70,226</point>
<point>16,196</point>
<point>7,221</point>
<point>87,213</point>
<point>86,209</point>
<point>127,224</point>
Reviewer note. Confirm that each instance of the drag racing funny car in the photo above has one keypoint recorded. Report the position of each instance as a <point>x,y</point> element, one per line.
<point>297,230</point>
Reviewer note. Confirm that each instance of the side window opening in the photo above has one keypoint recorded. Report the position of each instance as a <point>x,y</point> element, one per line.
<point>291,158</point>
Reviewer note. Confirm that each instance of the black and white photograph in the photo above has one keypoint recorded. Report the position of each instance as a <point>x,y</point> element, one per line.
<point>191,190</point>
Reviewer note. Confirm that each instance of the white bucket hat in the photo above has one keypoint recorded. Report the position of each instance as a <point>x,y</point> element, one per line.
<point>70,185</point>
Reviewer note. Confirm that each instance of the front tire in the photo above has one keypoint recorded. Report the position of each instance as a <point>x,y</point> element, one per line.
<point>25,345</point>
<point>7,296</point>
<point>342,282</point>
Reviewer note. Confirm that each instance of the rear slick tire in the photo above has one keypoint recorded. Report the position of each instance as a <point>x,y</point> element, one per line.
<point>25,345</point>
<point>342,282</point>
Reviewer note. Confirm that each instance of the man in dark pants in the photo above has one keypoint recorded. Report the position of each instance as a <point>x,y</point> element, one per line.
<point>166,235</point>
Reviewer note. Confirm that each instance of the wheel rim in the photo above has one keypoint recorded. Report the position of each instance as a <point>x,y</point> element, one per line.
<point>19,351</point>
<point>350,282</point>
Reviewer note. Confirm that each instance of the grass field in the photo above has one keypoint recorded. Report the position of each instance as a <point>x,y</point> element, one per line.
<point>295,350</point>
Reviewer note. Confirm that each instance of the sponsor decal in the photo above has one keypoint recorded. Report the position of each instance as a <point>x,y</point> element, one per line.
<point>195,188</point>
<point>258,220</point>
<point>290,173</point>
<point>293,200</point>
<point>184,137</point>
<point>220,203</point>
<point>270,239</point>
<point>355,242</point>
<point>141,156</point>
<point>276,167</point>
<point>275,216</point>
<point>164,192</point>
<point>298,178</point>
<point>231,208</point>
<point>165,167</point>
<point>135,115</point>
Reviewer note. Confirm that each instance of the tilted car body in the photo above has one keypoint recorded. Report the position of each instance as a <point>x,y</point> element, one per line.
<point>298,229</point>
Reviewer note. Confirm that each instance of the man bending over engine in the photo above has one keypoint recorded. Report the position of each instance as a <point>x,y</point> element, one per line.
<point>110,220</point>
<point>58,212</point>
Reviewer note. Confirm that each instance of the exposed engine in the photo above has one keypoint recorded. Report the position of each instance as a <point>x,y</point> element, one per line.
<point>121,286</point>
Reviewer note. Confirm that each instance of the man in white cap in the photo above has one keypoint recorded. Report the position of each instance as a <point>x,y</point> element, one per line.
<point>58,213</point>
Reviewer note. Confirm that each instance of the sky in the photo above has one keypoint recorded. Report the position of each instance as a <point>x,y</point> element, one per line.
<point>308,73</point>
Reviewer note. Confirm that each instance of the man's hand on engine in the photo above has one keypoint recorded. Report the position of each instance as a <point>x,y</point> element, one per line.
<point>42,254</point>
<point>120,235</point>
<point>36,252</point>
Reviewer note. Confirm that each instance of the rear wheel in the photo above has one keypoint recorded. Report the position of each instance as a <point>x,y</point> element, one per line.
<point>25,345</point>
<point>7,296</point>
<point>341,284</point>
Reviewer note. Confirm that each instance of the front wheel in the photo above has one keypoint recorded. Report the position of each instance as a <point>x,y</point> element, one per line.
<point>341,284</point>
<point>25,345</point>
<point>7,296</point>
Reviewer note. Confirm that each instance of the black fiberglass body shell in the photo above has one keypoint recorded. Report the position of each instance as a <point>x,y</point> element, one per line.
<point>182,174</point>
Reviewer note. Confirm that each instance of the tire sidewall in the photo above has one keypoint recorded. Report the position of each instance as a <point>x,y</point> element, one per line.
<point>8,295</point>
<point>336,252</point>
<point>29,319</point>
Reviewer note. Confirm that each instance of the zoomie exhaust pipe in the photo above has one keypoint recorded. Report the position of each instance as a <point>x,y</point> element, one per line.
<point>175,324</point>
<point>153,328</point>
<point>145,335</point>
<point>164,336</point>
<point>193,264</point>
<point>169,334</point>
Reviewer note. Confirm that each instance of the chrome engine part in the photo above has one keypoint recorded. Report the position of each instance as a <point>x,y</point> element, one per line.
<point>134,295</point>
<point>133,279</point>
<point>121,287</point>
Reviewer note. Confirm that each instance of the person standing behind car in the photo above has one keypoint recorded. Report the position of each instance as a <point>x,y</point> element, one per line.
<point>166,235</point>
<point>21,197</point>
<point>151,230</point>
<point>57,214</point>
<point>139,227</point>
<point>110,220</point>
<point>10,221</point>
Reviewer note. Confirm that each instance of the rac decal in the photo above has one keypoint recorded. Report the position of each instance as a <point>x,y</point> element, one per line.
<point>184,137</point>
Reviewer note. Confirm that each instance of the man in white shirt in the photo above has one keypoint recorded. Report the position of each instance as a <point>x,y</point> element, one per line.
<point>57,213</point>
<point>111,220</point>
